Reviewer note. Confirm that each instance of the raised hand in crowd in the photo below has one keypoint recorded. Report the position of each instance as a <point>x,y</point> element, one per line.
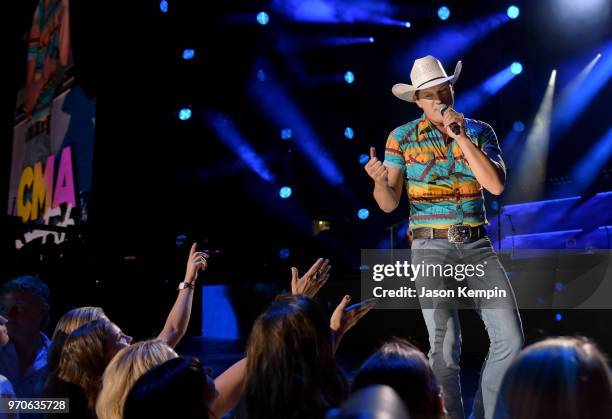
<point>344,318</point>
<point>312,281</point>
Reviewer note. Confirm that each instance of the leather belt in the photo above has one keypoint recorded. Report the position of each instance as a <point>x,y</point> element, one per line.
<point>458,233</point>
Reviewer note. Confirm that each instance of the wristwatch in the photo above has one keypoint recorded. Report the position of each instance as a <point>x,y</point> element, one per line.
<point>184,285</point>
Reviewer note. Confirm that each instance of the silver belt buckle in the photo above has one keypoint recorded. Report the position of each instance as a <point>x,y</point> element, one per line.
<point>459,233</point>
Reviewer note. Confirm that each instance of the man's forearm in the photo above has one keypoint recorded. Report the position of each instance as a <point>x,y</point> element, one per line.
<point>385,197</point>
<point>485,171</point>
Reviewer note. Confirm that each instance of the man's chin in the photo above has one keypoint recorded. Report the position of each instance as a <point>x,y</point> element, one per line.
<point>437,121</point>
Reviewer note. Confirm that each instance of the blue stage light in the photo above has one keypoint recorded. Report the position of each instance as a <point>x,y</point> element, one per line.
<point>363,213</point>
<point>443,12</point>
<point>286,133</point>
<point>513,12</point>
<point>516,68</point>
<point>349,77</point>
<point>184,114</point>
<point>163,6</point>
<point>450,42</point>
<point>229,134</point>
<point>180,240</point>
<point>337,41</point>
<point>349,133</point>
<point>472,99</point>
<point>280,106</point>
<point>285,192</point>
<point>518,126</point>
<point>558,316</point>
<point>408,24</point>
<point>261,75</point>
<point>188,54</point>
<point>263,18</point>
<point>364,158</point>
<point>584,87</point>
<point>219,319</point>
<point>283,253</point>
<point>589,167</point>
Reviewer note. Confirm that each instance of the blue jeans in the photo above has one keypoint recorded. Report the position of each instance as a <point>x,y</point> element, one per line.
<point>503,326</point>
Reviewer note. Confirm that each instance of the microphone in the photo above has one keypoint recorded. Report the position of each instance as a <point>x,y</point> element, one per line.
<point>455,128</point>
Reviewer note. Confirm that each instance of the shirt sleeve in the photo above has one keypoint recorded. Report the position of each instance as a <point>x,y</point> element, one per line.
<point>393,153</point>
<point>490,146</point>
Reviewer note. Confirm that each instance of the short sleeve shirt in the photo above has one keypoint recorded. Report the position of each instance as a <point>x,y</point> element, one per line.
<point>442,189</point>
<point>30,383</point>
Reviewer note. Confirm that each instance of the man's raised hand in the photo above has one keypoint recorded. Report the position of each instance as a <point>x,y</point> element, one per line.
<point>376,170</point>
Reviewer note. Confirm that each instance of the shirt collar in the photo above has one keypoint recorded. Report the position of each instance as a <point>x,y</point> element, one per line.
<point>425,126</point>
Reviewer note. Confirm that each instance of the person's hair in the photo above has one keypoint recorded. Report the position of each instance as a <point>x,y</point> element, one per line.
<point>175,388</point>
<point>556,378</point>
<point>27,284</point>
<point>291,369</point>
<point>83,360</point>
<point>126,367</point>
<point>375,401</point>
<point>67,324</point>
<point>404,368</point>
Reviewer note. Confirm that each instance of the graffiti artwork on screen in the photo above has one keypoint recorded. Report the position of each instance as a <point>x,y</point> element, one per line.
<point>52,154</point>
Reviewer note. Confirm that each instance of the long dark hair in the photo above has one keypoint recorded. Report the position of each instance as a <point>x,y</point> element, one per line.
<point>176,388</point>
<point>404,368</point>
<point>291,369</point>
<point>558,378</point>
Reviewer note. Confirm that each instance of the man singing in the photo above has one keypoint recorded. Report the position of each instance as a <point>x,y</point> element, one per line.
<point>446,160</point>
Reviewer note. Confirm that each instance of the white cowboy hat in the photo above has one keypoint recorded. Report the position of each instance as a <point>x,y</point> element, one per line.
<point>426,72</point>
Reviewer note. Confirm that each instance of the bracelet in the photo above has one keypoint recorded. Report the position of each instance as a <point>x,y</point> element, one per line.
<point>184,285</point>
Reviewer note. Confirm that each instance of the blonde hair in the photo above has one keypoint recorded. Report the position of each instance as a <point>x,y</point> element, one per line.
<point>83,359</point>
<point>68,323</point>
<point>123,371</point>
<point>77,317</point>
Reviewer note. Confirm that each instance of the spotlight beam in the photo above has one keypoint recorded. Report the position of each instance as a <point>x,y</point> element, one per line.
<point>473,99</point>
<point>235,141</point>
<point>451,42</point>
<point>531,174</point>
<point>587,169</point>
<point>572,87</point>
<point>275,101</point>
<point>580,92</point>
<point>338,11</point>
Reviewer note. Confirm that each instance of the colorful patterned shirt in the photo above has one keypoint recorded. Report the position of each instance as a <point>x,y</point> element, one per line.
<point>442,190</point>
<point>43,50</point>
